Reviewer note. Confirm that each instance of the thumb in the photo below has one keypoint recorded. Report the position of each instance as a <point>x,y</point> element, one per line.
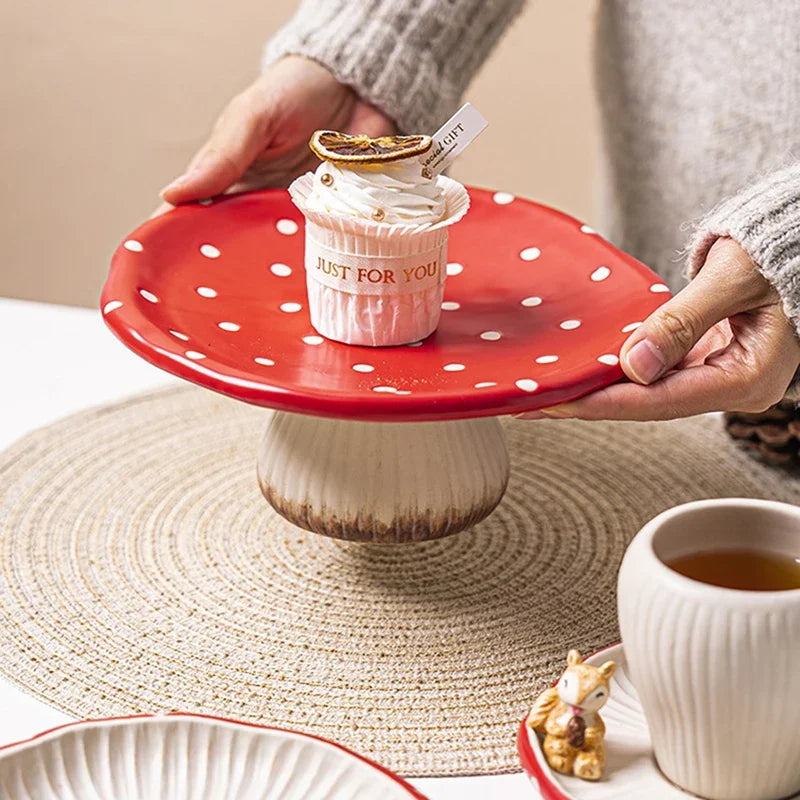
<point>238,137</point>
<point>671,331</point>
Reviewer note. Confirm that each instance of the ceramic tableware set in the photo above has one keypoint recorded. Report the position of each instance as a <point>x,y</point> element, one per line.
<point>530,308</point>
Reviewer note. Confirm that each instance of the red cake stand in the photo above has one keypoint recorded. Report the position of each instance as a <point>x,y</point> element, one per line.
<point>380,444</point>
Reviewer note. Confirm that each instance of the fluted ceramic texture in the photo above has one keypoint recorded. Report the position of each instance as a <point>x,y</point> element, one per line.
<point>718,675</point>
<point>382,481</point>
<point>182,758</point>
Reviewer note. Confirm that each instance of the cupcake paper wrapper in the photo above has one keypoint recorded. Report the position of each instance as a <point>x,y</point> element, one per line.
<point>371,283</point>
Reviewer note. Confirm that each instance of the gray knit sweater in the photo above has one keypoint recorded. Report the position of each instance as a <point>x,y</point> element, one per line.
<point>700,103</point>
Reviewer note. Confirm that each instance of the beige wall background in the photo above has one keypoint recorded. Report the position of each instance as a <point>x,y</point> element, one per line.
<point>104,102</point>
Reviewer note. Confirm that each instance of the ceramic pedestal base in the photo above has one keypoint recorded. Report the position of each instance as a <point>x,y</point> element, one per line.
<point>385,482</point>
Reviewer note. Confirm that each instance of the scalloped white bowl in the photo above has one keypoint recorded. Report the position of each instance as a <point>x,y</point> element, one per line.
<point>188,757</point>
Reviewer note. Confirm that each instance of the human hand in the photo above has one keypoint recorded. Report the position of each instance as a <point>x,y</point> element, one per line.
<point>721,344</point>
<point>261,138</point>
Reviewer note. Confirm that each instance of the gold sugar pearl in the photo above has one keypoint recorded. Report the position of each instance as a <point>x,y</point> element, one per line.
<point>378,215</point>
<point>426,173</point>
<point>326,179</point>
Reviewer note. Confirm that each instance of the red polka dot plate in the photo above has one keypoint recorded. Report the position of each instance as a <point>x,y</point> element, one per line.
<point>536,308</point>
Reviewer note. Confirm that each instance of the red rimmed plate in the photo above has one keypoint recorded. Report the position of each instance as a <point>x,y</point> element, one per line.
<point>191,756</point>
<point>536,309</point>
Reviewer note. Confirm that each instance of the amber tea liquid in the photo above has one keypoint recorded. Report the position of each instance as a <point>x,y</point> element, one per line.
<point>753,570</point>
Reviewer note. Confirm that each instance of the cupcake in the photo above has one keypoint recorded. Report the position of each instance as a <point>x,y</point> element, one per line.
<point>376,238</point>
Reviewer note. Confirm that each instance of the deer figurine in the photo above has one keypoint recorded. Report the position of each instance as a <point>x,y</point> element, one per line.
<point>566,715</point>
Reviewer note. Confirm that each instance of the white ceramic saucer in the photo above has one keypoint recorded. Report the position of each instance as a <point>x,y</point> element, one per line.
<point>188,757</point>
<point>631,770</point>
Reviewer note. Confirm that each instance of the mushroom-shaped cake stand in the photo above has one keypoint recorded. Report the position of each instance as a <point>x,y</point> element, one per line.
<point>380,444</point>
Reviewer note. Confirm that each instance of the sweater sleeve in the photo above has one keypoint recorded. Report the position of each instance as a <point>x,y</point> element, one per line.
<point>764,218</point>
<point>410,58</point>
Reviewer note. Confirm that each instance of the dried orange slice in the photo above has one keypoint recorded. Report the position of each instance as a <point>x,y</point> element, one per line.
<point>334,146</point>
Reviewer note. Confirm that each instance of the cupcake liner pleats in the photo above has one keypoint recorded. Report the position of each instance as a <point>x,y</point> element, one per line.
<point>371,283</point>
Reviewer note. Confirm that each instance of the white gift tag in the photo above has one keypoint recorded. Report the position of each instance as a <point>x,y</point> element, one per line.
<point>456,134</point>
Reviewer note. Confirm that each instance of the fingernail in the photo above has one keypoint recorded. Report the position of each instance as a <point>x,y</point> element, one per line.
<point>645,362</point>
<point>162,209</point>
<point>179,181</point>
<point>174,184</point>
<point>564,411</point>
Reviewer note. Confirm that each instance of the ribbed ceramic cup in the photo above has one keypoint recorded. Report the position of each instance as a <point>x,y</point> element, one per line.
<point>717,670</point>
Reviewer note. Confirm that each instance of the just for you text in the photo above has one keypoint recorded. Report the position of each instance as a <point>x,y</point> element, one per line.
<point>374,275</point>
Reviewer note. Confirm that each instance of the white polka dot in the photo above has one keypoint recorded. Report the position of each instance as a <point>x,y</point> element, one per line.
<point>194,355</point>
<point>133,246</point>
<point>415,344</point>
<point>454,268</point>
<point>530,253</point>
<point>286,226</point>
<point>178,335</point>
<point>209,251</point>
<point>290,308</point>
<point>207,201</point>
<point>313,339</point>
<point>600,274</point>
<point>530,302</point>
<point>229,326</point>
<point>527,385</point>
<point>386,389</point>
<point>491,336</point>
<point>363,368</point>
<point>111,305</point>
<point>657,288</point>
<point>281,270</point>
<point>608,358</point>
<point>485,384</point>
<point>205,291</point>
<point>453,367</point>
<point>149,296</point>
<point>631,326</point>
<point>450,305</point>
<point>265,362</point>
<point>587,229</point>
<point>503,198</point>
<point>547,359</point>
<point>570,324</point>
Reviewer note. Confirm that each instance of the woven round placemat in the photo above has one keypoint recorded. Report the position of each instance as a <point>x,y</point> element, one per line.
<point>141,570</point>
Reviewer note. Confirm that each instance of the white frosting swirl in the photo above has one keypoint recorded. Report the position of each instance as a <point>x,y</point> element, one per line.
<point>396,187</point>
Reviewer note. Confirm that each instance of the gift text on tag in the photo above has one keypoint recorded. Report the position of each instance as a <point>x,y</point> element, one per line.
<point>457,133</point>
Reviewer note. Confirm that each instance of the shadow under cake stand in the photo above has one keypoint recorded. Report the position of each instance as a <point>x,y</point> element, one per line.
<point>389,444</point>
